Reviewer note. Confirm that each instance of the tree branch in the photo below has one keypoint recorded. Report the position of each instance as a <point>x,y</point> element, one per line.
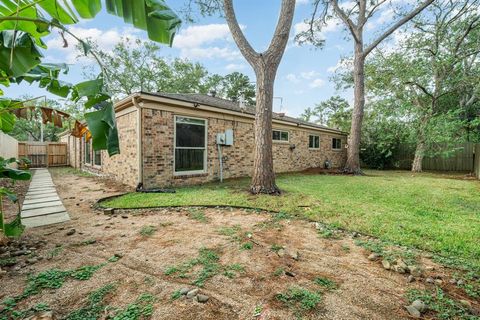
<point>282,31</point>
<point>397,25</point>
<point>243,45</point>
<point>346,19</point>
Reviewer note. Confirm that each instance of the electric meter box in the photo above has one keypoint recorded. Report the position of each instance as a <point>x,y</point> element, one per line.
<point>229,137</point>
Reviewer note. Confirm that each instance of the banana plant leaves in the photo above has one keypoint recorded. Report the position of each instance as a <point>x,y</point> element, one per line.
<point>154,16</point>
<point>26,54</point>
<point>103,128</point>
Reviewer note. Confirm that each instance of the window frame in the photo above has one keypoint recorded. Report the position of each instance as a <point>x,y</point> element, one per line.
<point>337,149</point>
<point>85,142</point>
<point>94,155</point>
<point>281,141</point>
<point>314,148</point>
<point>205,148</point>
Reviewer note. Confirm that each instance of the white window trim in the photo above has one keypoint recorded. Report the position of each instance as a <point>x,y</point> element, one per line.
<point>337,149</point>
<point>314,135</point>
<point>281,141</point>
<point>193,172</point>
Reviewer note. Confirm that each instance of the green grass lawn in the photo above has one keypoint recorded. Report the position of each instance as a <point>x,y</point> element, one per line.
<point>428,211</point>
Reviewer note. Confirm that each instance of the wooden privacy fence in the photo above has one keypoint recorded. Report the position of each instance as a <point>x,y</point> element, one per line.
<point>477,161</point>
<point>462,159</point>
<point>44,154</point>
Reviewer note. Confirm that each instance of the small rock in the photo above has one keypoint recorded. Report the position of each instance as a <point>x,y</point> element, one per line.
<point>71,232</point>
<point>184,291</point>
<point>123,235</point>
<point>386,265</point>
<point>192,293</point>
<point>61,228</point>
<point>415,271</point>
<point>249,235</point>
<point>294,255</point>
<point>318,226</point>
<point>413,312</point>
<point>281,252</point>
<point>460,282</point>
<point>108,227</point>
<point>202,298</point>
<point>19,253</point>
<point>373,256</point>
<point>410,279</point>
<point>429,280</point>
<point>419,305</point>
<point>355,235</point>
<point>98,225</point>
<point>438,282</point>
<point>2,272</point>
<point>452,281</point>
<point>109,211</point>
<point>32,260</point>
<point>124,216</point>
<point>429,268</point>
<point>398,269</point>
<point>290,274</point>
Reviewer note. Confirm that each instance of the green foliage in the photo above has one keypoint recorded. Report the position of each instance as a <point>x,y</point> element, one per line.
<point>444,306</point>
<point>276,247</point>
<point>136,65</point>
<point>326,283</point>
<point>247,246</point>
<point>142,308</point>
<point>148,231</point>
<point>176,295</point>
<point>279,272</point>
<point>209,260</point>
<point>300,299</point>
<point>197,214</point>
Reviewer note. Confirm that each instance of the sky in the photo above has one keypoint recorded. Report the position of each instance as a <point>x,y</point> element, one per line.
<point>303,78</point>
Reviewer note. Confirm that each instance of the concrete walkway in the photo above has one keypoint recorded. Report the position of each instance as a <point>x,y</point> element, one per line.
<point>42,206</point>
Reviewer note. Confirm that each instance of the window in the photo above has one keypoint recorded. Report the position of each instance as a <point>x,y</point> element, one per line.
<point>280,135</point>
<point>336,143</point>
<point>190,145</point>
<point>97,160</point>
<point>314,142</point>
<point>88,153</point>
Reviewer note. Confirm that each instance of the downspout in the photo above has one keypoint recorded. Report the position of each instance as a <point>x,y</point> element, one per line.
<point>139,141</point>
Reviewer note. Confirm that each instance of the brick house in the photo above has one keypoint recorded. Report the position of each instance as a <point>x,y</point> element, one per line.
<point>171,140</point>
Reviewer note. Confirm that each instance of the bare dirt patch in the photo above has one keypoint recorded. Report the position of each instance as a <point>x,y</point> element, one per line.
<point>244,261</point>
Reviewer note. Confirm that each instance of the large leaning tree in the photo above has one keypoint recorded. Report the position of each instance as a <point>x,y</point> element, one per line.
<point>355,15</point>
<point>265,65</point>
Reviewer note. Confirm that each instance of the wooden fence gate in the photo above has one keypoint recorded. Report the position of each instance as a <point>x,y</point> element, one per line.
<point>43,154</point>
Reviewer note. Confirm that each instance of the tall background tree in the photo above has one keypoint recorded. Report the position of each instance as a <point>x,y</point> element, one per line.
<point>355,15</point>
<point>434,74</point>
<point>136,65</point>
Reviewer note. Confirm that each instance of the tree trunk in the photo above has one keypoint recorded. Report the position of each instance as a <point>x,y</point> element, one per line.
<point>263,178</point>
<point>353,152</point>
<point>419,154</point>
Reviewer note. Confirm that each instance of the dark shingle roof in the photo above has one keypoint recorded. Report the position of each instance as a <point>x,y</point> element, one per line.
<point>232,106</point>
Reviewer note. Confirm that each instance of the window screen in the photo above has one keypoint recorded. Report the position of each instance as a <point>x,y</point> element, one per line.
<point>190,144</point>
<point>314,142</point>
<point>280,135</point>
<point>336,143</point>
